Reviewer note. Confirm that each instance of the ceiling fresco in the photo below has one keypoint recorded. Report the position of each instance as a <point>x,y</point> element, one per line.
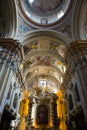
<point>45,60</point>
<point>44,57</point>
<point>44,7</point>
<point>47,45</point>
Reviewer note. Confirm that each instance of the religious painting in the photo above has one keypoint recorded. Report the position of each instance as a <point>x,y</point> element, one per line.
<point>42,115</point>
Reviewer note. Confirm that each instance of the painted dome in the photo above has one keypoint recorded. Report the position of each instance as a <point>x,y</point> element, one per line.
<point>43,12</point>
<point>44,7</point>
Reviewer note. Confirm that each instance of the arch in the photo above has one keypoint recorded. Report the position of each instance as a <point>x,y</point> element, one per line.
<point>9,18</point>
<point>38,34</point>
<point>80,20</point>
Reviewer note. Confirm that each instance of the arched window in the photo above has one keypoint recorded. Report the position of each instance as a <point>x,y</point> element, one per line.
<point>70,102</point>
<point>42,83</point>
<point>1,65</point>
<point>77,93</point>
<point>42,115</point>
<point>9,92</point>
<point>71,85</point>
<point>15,100</point>
<point>65,95</point>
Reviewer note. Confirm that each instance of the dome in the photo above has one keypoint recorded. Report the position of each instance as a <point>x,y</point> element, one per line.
<point>43,12</point>
<point>44,7</point>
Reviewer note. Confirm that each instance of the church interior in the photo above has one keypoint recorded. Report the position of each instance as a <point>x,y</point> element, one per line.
<point>43,64</point>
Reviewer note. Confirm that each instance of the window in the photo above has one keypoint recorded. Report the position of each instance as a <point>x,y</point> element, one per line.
<point>77,93</point>
<point>60,14</point>
<point>1,66</point>
<point>70,102</point>
<point>42,83</point>
<point>44,20</point>
<point>9,91</point>
<point>71,85</point>
<point>15,100</point>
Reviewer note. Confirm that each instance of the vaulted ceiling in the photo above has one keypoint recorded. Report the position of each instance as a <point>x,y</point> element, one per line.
<point>44,54</point>
<point>44,29</point>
